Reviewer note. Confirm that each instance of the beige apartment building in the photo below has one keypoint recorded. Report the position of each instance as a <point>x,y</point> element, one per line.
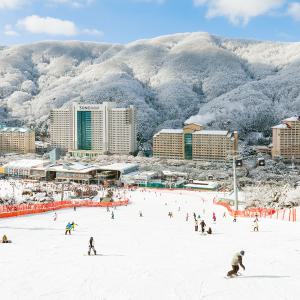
<point>194,143</point>
<point>88,130</point>
<point>17,140</point>
<point>286,140</point>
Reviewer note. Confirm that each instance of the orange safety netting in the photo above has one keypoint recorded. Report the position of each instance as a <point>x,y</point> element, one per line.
<point>26,209</point>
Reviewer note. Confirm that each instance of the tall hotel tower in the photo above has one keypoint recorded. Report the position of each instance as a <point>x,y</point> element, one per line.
<point>93,129</point>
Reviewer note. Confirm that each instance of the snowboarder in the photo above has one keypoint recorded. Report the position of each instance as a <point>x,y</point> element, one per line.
<point>202,224</point>
<point>68,228</point>
<point>214,217</point>
<point>5,240</point>
<point>112,215</point>
<point>196,225</point>
<point>92,246</point>
<point>236,261</point>
<point>255,225</point>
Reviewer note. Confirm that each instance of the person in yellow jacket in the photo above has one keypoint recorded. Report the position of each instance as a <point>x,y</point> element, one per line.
<point>73,224</point>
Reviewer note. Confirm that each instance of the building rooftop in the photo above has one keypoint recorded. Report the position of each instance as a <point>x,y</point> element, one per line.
<point>25,163</point>
<point>292,119</point>
<point>15,129</point>
<point>282,126</point>
<point>212,132</point>
<point>121,167</point>
<point>170,131</point>
<point>73,167</point>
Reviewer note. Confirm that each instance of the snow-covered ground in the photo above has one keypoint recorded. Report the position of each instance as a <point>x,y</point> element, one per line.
<point>149,257</point>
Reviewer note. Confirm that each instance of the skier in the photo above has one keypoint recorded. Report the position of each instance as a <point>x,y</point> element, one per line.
<point>92,246</point>
<point>55,216</point>
<point>202,224</point>
<point>236,261</point>
<point>68,228</point>
<point>209,231</point>
<point>196,225</point>
<point>73,224</point>
<point>255,225</point>
<point>141,214</point>
<point>234,217</point>
<point>187,217</point>
<point>194,214</point>
<point>112,215</point>
<point>214,217</point>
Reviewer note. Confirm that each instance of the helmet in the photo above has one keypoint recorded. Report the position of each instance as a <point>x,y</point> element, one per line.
<point>242,252</point>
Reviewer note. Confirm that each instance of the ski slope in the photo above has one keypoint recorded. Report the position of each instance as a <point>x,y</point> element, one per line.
<point>149,257</point>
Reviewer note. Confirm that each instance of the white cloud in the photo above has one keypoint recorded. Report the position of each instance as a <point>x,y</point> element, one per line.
<point>52,26</point>
<point>11,4</point>
<point>76,3</point>
<point>238,11</point>
<point>294,10</point>
<point>8,30</point>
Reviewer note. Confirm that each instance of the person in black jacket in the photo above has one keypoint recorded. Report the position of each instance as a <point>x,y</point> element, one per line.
<point>92,246</point>
<point>202,224</point>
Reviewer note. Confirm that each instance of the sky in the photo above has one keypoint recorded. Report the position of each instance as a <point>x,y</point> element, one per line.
<point>122,21</point>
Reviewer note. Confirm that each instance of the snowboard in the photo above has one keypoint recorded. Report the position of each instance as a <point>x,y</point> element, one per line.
<point>234,276</point>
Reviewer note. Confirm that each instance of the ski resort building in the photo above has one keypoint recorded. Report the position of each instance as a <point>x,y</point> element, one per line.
<point>88,130</point>
<point>17,140</point>
<point>286,140</point>
<point>194,143</point>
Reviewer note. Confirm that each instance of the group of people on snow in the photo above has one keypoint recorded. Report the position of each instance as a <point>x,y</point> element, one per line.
<point>70,226</point>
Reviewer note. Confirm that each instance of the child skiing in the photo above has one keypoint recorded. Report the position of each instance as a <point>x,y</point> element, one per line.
<point>92,246</point>
<point>236,261</point>
<point>73,224</point>
<point>68,228</point>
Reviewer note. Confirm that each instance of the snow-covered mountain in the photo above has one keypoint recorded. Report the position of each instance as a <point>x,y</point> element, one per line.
<point>219,82</point>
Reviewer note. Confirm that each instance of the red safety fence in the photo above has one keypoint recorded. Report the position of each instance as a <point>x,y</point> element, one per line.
<point>7,211</point>
<point>278,214</point>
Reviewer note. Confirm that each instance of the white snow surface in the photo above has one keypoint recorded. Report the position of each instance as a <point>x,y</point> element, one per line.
<point>149,257</point>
